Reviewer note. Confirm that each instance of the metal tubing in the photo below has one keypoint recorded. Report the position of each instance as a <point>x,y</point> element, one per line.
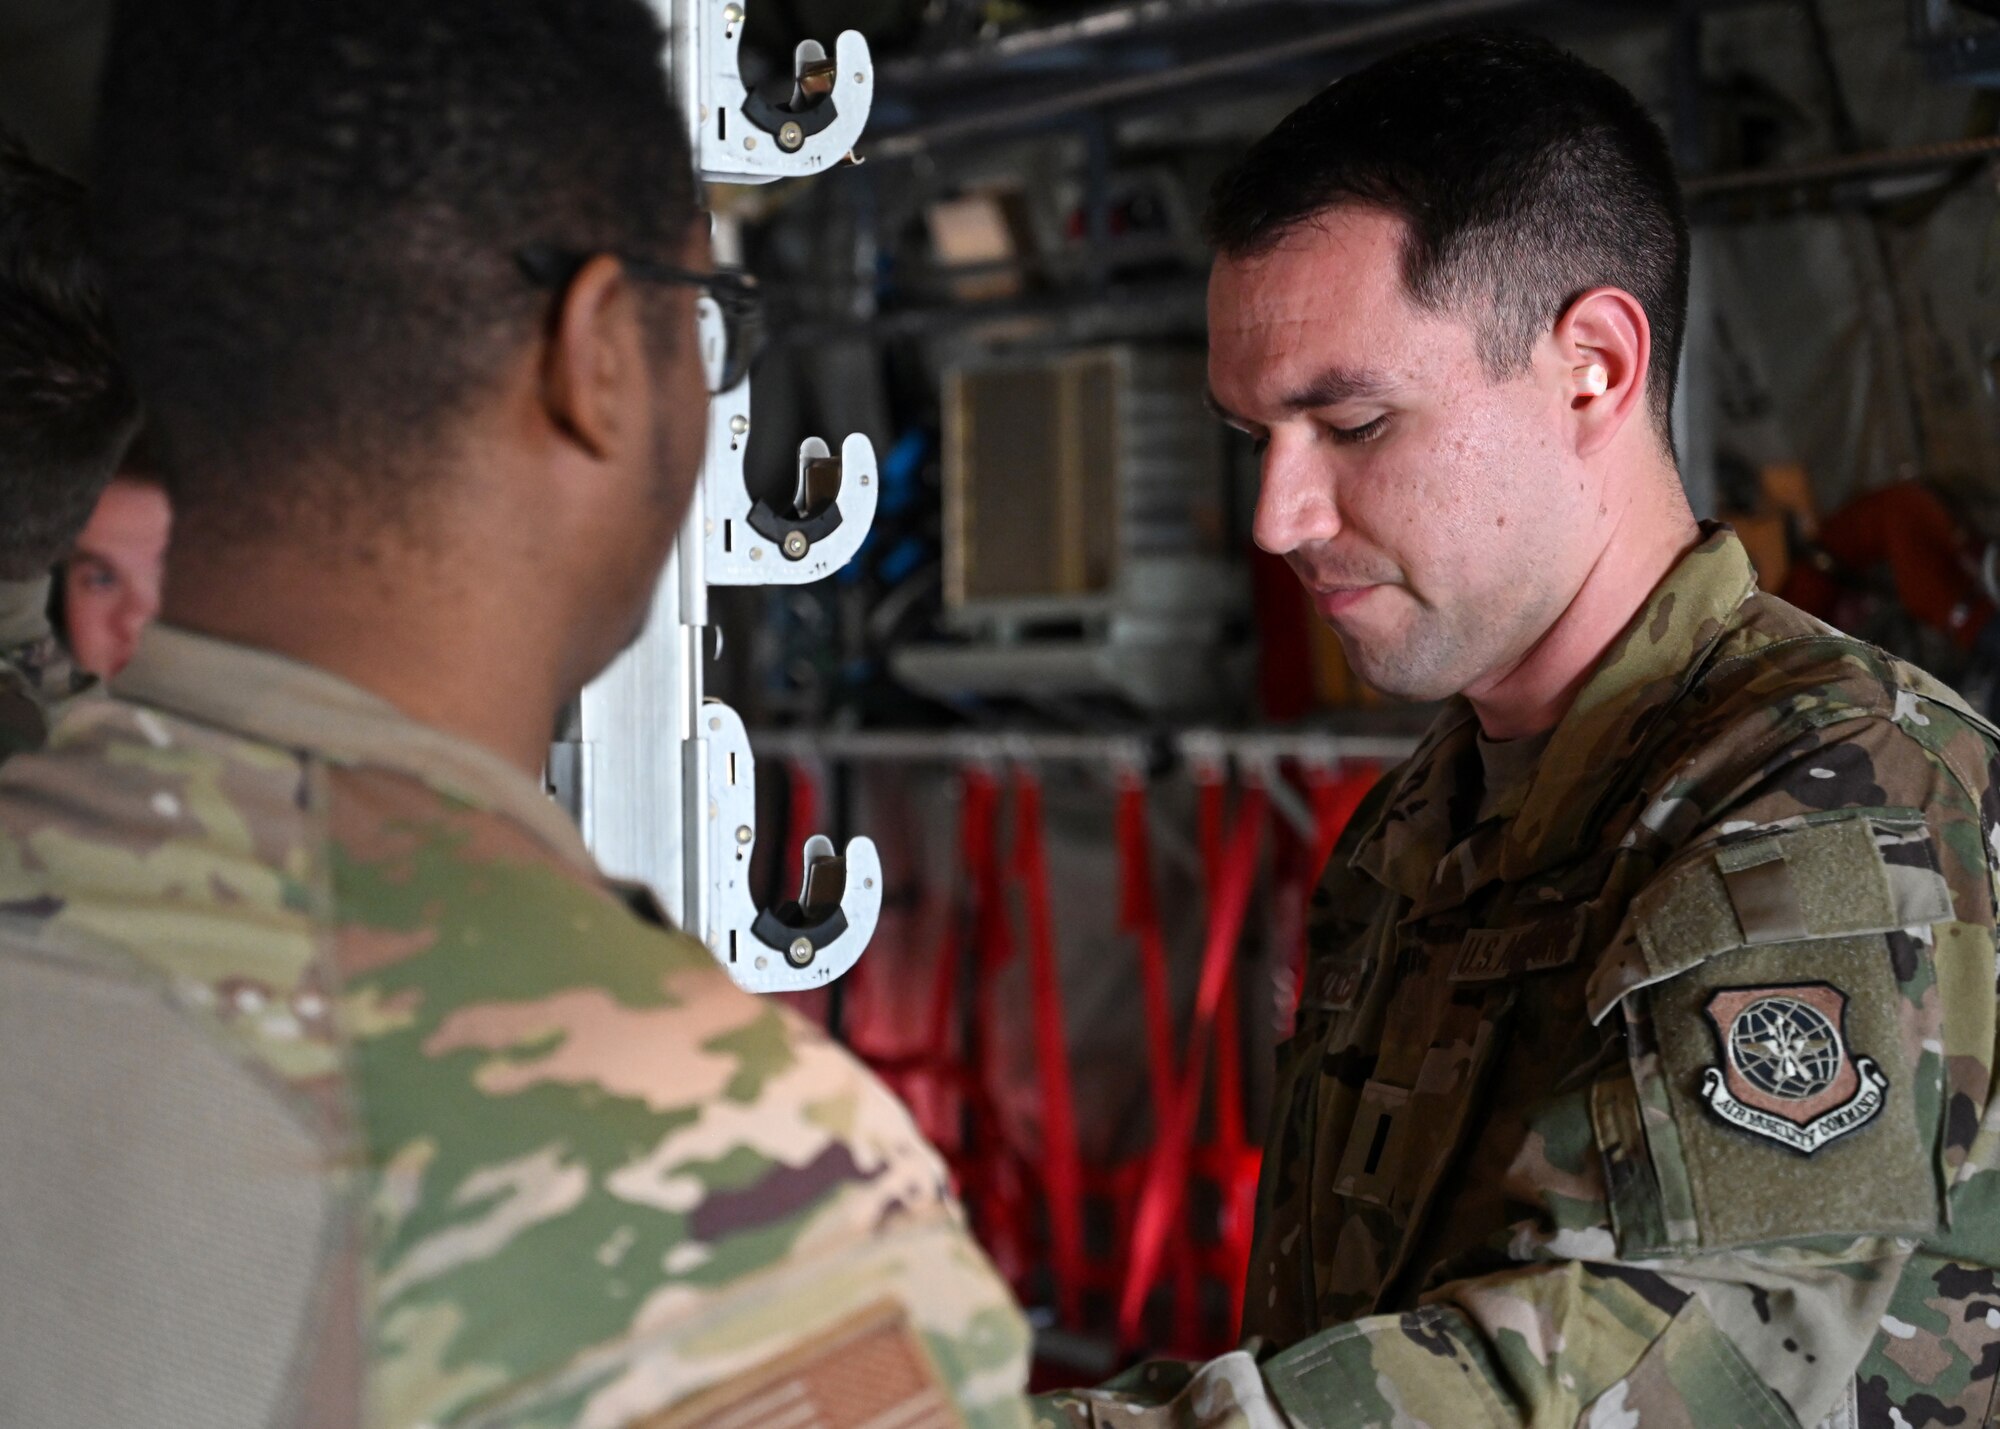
<point>952,747</point>
<point>1873,164</point>
<point>1375,30</point>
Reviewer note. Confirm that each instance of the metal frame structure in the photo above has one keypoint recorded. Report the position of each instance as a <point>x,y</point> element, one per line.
<point>662,780</point>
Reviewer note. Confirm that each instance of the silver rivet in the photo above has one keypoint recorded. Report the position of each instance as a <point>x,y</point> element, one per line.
<point>860,78</point>
<point>739,424</point>
<point>800,953</point>
<point>715,724</point>
<point>867,883</point>
<point>763,963</point>
<point>743,834</point>
<point>750,142</point>
<point>756,553</point>
<point>790,136</point>
<point>733,14</point>
<point>796,544</point>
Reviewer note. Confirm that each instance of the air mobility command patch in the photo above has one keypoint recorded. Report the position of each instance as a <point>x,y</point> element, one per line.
<point>1787,1070</point>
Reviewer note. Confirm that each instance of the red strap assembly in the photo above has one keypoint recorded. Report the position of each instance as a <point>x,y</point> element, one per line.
<point>992,1173</point>
<point>802,788</point>
<point>1062,1167</point>
<point>1139,916</point>
<point>1232,856</point>
<point>1335,794</point>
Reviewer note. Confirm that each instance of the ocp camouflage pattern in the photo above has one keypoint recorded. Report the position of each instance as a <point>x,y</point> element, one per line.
<point>580,1177</point>
<point>1493,1192</point>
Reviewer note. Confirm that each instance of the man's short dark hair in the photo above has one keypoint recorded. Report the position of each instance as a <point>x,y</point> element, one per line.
<point>66,405</point>
<point>310,214</point>
<point>1523,176</point>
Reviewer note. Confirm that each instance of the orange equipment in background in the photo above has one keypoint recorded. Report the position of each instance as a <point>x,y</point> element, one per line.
<point>1932,557</point>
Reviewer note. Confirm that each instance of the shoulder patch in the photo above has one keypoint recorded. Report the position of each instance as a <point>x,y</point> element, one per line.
<point>1787,1072</point>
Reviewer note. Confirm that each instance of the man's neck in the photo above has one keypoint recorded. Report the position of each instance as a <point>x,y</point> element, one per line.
<point>1642,544</point>
<point>453,654</point>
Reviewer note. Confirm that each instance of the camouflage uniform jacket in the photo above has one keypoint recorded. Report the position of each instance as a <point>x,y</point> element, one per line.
<point>1664,1099</point>
<point>337,1089</point>
<point>37,675</point>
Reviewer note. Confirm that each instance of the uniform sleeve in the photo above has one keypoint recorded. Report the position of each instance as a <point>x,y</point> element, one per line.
<point>1559,1344</point>
<point>1801,1012</point>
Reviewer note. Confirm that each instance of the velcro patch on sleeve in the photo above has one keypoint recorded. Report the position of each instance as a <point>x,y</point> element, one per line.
<point>869,1372</point>
<point>1836,876</point>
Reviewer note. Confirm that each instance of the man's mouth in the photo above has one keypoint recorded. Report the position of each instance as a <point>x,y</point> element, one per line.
<point>1333,600</point>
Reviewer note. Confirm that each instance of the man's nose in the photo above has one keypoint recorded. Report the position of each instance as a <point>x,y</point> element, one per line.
<point>129,617</point>
<point>1296,500</point>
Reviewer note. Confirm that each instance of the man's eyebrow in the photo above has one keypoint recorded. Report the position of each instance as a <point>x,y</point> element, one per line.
<point>1331,387</point>
<point>1336,385</point>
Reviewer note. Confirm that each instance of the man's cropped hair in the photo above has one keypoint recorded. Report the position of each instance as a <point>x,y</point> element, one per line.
<point>66,404</point>
<point>1523,176</point>
<point>310,216</point>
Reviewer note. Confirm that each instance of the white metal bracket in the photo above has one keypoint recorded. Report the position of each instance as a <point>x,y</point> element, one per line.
<point>756,542</point>
<point>788,127</point>
<point>802,943</point>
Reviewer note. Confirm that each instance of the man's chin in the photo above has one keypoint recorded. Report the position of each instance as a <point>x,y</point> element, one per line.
<point>1398,674</point>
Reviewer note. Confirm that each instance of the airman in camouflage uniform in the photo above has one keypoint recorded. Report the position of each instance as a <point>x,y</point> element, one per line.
<point>1643,1071</point>
<point>427,1125</point>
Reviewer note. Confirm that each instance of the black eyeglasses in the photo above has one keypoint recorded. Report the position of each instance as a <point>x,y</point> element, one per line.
<point>735,294</point>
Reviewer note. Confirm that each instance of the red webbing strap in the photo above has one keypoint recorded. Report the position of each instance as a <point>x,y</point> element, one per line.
<point>1229,1013</point>
<point>1139,916</point>
<point>802,817</point>
<point>1166,1176</point>
<point>944,997</point>
<point>1062,1167</point>
<point>1335,796</point>
<point>992,1178</point>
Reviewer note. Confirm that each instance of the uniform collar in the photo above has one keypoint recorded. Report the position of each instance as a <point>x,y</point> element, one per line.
<point>1643,672</point>
<point>279,701</point>
<point>24,611</point>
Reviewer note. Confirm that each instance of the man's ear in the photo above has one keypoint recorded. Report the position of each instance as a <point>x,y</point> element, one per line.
<point>595,356</point>
<point>1604,346</point>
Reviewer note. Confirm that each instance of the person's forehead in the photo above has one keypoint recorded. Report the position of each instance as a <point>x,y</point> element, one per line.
<point>1346,259</point>
<point>1327,299</point>
<point>129,510</point>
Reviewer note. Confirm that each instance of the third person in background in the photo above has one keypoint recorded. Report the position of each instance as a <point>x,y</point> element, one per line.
<point>108,590</point>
